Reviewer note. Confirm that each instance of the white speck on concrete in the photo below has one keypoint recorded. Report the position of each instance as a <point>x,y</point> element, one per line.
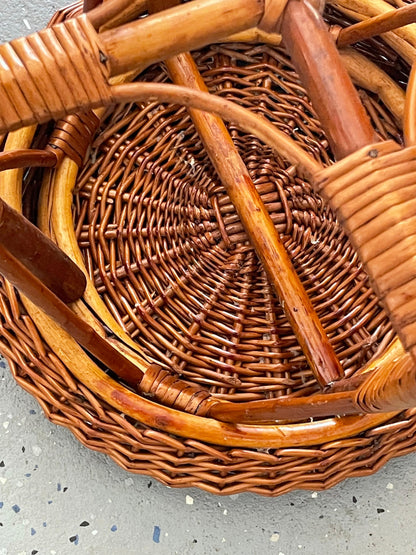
<point>2,482</point>
<point>390,486</point>
<point>129,481</point>
<point>94,532</point>
<point>189,500</point>
<point>225,512</point>
<point>274,537</point>
<point>36,450</point>
<point>314,495</point>
<point>19,484</point>
<point>6,425</point>
<point>27,24</point>
<point>223,540</point>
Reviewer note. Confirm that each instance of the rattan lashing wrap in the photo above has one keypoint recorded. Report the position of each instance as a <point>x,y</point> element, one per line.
<point>203,226</point>
<point>47,74</point>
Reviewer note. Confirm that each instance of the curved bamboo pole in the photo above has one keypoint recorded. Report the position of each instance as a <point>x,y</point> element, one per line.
<point>402,40</point>
<point>409,128</point>
<point>377,25</point>
<point>228,111</point>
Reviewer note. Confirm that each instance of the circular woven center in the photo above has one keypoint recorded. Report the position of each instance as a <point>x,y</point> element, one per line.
<point>172,261</point>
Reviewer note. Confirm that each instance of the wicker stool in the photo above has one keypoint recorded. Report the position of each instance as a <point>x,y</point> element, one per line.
<point>184,361</point>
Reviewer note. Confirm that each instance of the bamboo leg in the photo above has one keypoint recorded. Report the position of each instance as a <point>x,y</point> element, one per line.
<point>260,229</point>
<point>330,89</point>
<point>19,276</point>
<point>40,255</point>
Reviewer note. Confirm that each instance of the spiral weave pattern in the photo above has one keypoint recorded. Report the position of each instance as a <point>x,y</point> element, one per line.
<point>50,73</point>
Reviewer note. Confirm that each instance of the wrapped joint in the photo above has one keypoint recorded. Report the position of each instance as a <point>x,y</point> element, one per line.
<point>48,74</point>
<point>169,390</point>
<point>373,193</point>
<point>73,135</point>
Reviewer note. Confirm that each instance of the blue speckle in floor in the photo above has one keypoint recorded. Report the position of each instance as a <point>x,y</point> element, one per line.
<point>32,531</point>
<point>1,504</point>
<point>156,534</point>
<point>28,475</point>
<point>58,487</point>
<point>113,528</point>
<point>16,508</point>
<point>44,524</point>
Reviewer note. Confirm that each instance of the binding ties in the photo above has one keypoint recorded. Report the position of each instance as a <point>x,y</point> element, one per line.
<point>48,74</point>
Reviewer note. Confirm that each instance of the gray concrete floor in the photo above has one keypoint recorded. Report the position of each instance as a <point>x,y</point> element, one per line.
<point>57,497</point>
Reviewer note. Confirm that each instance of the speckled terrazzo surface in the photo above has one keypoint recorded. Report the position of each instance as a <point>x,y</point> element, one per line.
<point>57,497</point>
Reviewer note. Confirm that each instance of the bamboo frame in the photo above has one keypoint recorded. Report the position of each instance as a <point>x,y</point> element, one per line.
<point>193,102</point>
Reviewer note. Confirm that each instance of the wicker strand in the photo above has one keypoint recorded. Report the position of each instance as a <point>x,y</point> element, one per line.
<point>48,74</point>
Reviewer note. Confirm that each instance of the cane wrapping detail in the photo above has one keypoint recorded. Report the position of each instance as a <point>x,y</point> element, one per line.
<point>48,74</point>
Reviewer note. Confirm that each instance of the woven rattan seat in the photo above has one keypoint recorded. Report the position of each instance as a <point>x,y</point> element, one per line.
<point>174,282</point>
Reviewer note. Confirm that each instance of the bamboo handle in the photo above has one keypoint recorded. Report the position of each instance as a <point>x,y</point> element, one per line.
<point>40,255</point>
<point>260,229</point>
<point>377,25</point>
<point>329,87</point>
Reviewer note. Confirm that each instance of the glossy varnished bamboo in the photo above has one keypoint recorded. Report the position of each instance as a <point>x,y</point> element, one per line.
<point>377,25</point>
<point>90,4</point>
<point>24,158</point>
<point>182,28</point>
<point>329,87</point>
<point>409,127</point>
<point>40,255</point>
<point>28,284</point>
<point>260,229</point>
<point>117,12</point>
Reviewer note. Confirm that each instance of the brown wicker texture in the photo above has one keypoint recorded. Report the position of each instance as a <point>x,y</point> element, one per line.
<point>175,272</point>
